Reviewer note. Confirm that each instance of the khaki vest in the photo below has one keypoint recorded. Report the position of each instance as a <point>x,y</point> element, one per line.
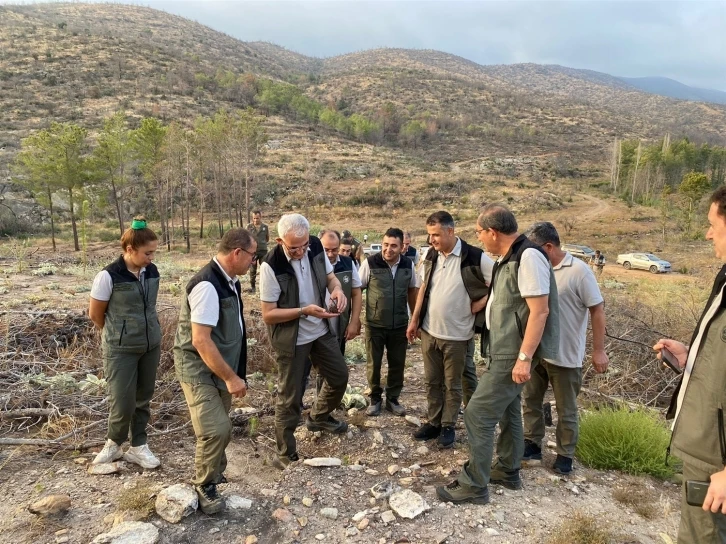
<point>386,296</point>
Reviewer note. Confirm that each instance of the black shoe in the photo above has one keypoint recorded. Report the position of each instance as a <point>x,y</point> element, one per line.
<point>455,492</point>
<point>375,408</point>
<point>532,452</point>
<point>563,465</point>
<point>210,502</point>
<point>392,405</point>
<point>427,432</point>
<point>281,462</point>
<point>331,425</point>
<point>506,478</point>
<point>447,437</point>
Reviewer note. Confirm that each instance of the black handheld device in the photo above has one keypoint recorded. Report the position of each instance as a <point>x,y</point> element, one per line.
<point>670,360</point>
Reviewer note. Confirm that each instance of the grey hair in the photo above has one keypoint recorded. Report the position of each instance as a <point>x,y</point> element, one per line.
<point>498,217</point>
<point>543,233</point>
<point>292,222</point>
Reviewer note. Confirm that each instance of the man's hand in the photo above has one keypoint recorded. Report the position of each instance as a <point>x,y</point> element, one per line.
<point>675,347</point>
<point>600,361</point>
<point>236,387</point>
<point>339,297</point>
<point>316,311</point>
<point>412,332</point>
<point>716,497</point>
<point>520,372</point>
<point>352,330</point>
<point>478,305</point>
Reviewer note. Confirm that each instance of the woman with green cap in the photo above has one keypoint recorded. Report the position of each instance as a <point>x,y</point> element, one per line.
<point>123,306</point>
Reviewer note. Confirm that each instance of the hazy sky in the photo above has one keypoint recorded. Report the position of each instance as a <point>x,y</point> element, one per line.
<point>682,40</point>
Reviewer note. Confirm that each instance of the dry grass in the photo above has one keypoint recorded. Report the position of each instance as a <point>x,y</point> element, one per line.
<point>140,498</point>
<point>638,498</point>
<point>582,529</point>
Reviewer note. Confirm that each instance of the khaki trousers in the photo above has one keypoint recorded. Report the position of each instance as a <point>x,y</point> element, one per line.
<point>443,367</point>
<point>697,526</point>
<point>469,379</point>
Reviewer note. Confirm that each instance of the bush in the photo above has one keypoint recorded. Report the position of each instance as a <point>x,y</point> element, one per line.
<point>581,529</point>
<point>632,441</point>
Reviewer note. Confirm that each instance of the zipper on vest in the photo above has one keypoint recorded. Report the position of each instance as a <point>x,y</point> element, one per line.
<point>146,319</point>
<point>123,330</point>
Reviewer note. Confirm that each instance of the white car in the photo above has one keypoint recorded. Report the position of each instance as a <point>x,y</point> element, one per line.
<point>643,261</point>
<point>375,248</point>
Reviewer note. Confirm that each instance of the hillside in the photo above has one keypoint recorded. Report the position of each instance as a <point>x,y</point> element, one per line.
<point>675,89</point>
<point>83,62</point>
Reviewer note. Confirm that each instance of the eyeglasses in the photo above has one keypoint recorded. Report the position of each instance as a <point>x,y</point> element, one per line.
<point>332,250</point>
<point>252,254</point>
<point>298,248</point>
<point>479,231</point>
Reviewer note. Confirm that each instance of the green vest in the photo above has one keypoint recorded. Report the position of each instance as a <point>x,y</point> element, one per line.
<point>261,235</point>
<point>131,323</point>
<point>230,340</point>
<point>344,272</point>
<point>386,296</point>
<point>509,312</point>
<point>283,336</point>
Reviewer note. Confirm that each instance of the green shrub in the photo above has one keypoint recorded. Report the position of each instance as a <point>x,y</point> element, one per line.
<point>632,441</point>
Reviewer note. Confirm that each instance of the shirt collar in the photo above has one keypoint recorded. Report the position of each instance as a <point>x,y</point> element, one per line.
<point>456,252</point>
<point>394,264</point>
<point>227,276</point>
<point>566,261</point>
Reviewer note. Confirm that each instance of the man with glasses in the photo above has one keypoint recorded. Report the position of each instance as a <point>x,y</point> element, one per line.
<point>295,278</point>
<point>210,357</point>
<point>261,233</point>
<point>410,251</point>
<point>578,296</point>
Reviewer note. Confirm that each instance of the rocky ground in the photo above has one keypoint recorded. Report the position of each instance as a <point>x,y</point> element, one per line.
<point>328,504</point>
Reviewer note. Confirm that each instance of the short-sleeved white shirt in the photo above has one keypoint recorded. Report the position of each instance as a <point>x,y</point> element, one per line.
<point>103,285</point>
<point>448,316</point>
<point>309,328</point>
<point>533,278</point>
<point>204,301</point>
<point>577,292</point>
<point>365,274</point>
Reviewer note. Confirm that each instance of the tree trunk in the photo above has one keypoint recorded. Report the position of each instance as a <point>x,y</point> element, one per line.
<point>52,221</point>
<point>118,207</point>
<point>76,246</point>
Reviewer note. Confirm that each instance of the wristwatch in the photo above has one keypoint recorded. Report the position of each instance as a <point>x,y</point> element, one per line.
<point>304,316</point>
<point>524,357</point>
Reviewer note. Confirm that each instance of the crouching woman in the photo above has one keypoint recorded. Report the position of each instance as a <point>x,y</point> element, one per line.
<point>123,306</point>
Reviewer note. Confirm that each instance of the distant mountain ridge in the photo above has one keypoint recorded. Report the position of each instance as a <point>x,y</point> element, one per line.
<point>675,89</point>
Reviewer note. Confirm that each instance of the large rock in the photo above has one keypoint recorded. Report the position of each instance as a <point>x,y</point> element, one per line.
<point>177,502</point>
<point>236,503</point>
<point>50,505</point>
<point>407,504</point>
<point>323,462</point>
<point>330,513</point>
<point>131,532</point>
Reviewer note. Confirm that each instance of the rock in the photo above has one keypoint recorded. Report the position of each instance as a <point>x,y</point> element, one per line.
<point>176,502</point>
<point>130,532</point>
<point>492,532</point>
<point>378,437</point>
<point>80,460</point>
<point>356,468</point>
<point>117,518</point>
<point>268,492</point>
<point>388,517</point>
<point>104,468</point>
<point>286,500</point>
<point>303,521</point>
<point>408,504</point>
<point>214,530</point>
<point>61,539</point>
<point>394,455</point>
<point>246,410</point>
<point>307,501</point>
<point>393,469</point>
<point>413,420</point>
<point>405,481</point>
<point>323,462</point>
<point>575,490</point>
<point>351,531</point>
<point>383,489</point>
<point>282,514</point>
<point>360,515</point>
<point>330,513</point>
<point>371,472</point>
<point>423,450</point>
<point>363,524</point>
<point>50,505</point>
<point>236,503</point>
<point>352,412</point>
<point>370,424</point>
<point>320,536</point>
<point>251,539</point>
<point>440,538</point>
<point>551,445</point>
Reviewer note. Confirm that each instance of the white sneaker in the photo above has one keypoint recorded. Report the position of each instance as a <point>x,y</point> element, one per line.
<point>142,456</point>
<point>110,452</point>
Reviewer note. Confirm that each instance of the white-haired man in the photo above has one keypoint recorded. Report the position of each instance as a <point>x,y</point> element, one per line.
<point>294,280</point>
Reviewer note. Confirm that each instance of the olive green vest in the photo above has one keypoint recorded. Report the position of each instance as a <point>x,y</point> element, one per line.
<point>227,336</point>
<point>261,234</point>
<point>131,323</point>
<point>344,272</point>
<point>283,336</point>
<point>509,312</point>
<point>387,296</point>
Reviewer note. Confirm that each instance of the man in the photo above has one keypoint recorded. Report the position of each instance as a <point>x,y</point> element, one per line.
<point>261,234</point>
<point>452,297</point>
<point>392,287</point>
<point>410,251</point>
<point>210,357</point>
<point>578,295</point>
<point>597,262</point>
<point>521,329</point>
<point>346,248</point>
<point>294,280</point>
<point>356,247</point>
<point>699,399</point>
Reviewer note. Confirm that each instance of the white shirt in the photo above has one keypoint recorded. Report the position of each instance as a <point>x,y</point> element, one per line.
<point>204,302</point>
<point>103,285</point>
<point>309,328</point>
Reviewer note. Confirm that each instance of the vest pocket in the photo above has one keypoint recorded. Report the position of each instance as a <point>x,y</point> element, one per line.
<point>123,331</point>
<point>519,325</point>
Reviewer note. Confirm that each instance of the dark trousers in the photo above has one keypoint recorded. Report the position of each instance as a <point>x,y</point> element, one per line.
<point>319,378</point>
<point>394,343</point>
<point>253,267</point>
<point>469,380</point>
<point>327,359</point>
<point>131,378</point>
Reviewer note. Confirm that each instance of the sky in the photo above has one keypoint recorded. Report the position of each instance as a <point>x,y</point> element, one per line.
<point>685,40</point>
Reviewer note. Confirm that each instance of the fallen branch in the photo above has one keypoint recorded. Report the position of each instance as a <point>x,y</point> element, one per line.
<point>27,412</point>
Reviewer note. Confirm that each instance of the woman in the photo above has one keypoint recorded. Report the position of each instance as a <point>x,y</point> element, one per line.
<point>123,306</point>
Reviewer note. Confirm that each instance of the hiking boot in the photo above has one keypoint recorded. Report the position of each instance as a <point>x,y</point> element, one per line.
<point>221,479</point>
<point>455,492</point>
<point>427,432</point>
<point>532,452</point>
<point>375,408</point>
<point>331,425</point>
<point>392,405</point>
<point>506,478</point>
<point>110,452</point>
<point>447,437</point>
<point>142,456</point>
<point>563,465</point>
<point>210,502</point>
<point>282,462</point>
